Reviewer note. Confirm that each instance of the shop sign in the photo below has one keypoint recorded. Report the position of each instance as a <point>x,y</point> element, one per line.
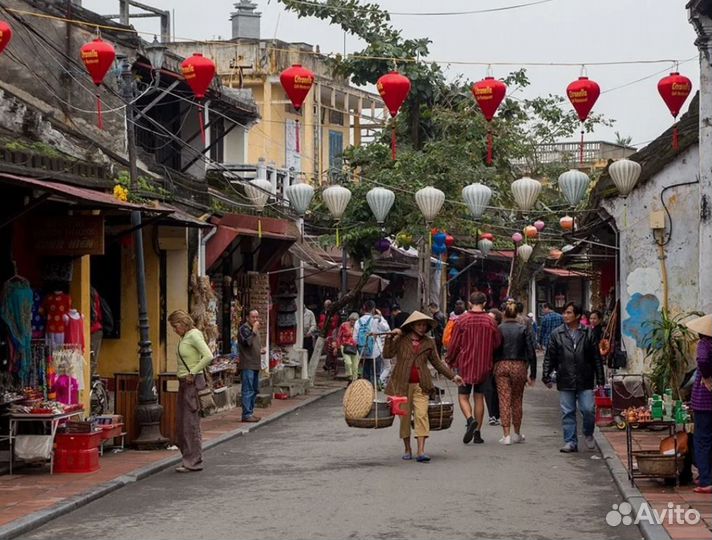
<point>69,235</point>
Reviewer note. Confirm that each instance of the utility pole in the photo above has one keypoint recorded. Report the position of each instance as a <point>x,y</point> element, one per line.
<point>149,411</point>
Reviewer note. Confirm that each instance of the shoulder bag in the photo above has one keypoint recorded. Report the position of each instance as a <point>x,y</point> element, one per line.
<point>206,399</point>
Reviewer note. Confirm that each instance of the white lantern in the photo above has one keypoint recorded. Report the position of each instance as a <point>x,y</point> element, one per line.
<point>380,200</point>
<point>336,199</point>
<point>477,197</point>
<point>300,196</point>
<point>485,246</point>
<point>430,200</point>
<point>525,251</point>
<point>625,174</point>
<point>567,248</point>
<point>573,184</point>
<point>526,191</point>
<point>258,192</point>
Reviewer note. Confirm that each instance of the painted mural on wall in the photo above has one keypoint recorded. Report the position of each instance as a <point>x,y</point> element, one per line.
<point>644,291</point>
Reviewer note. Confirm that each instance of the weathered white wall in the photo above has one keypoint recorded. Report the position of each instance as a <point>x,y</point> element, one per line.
<point>640,272</point>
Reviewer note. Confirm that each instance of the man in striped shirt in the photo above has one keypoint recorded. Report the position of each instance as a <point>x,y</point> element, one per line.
<point>475,339</point>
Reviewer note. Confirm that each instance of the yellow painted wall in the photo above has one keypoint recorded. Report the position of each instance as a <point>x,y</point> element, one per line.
<point>175,241</point>
<point>80,291</point>
<point>121,355</point>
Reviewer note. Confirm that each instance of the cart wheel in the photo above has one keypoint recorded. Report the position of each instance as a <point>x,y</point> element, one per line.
<point>620,422</point>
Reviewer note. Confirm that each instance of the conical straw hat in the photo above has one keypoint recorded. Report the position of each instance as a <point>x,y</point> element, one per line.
<point>417,316</point>
<point>702,325</point>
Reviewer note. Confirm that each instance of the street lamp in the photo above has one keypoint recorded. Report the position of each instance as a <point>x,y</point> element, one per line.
<point>149,411</point>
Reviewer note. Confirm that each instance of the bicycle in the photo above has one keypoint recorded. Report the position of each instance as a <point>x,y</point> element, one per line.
<point>98,395</point>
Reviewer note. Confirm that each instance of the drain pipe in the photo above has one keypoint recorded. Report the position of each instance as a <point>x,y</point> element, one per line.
<point>202,243</point>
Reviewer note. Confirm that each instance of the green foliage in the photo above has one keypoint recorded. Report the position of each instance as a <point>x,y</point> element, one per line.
<point>668,349</point>
<point>34,148</point>
<point>145,187</point>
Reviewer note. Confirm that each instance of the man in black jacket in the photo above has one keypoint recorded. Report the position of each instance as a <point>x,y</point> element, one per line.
<point>573,354</point>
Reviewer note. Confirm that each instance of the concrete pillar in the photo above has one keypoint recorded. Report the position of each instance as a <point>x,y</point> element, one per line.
<point>80,291</point>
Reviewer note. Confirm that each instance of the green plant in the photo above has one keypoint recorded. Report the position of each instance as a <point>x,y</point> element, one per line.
<point>668,345</point>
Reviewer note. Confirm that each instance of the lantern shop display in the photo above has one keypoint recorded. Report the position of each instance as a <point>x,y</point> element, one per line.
<point>393,89</point>
<point>98,56</point>
<point>489,94</point>
<point>674,89</point>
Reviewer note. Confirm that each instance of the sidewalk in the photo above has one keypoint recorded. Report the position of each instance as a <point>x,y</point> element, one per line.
<point>658,495</point>
<point>32,496</point>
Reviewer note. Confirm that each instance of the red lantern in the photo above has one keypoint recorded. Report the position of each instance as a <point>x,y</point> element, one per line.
<point>449,240</point>
<point>674,90</point>
<point>567,223</point>
<point>487,236</point>
<point>198,72</point>
<point>434,231</point>
<point>5,35</point>
<point>297,81</point>
<point>394,89</point>
<point>489,93</point>
<point>530,231</point>
<point>583,94</point>
<point>98,56</point>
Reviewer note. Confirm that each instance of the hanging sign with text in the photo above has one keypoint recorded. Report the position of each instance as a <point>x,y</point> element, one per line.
<point>69,235</point>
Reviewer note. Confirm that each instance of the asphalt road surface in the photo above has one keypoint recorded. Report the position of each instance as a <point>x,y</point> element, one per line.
<point>308,475</point>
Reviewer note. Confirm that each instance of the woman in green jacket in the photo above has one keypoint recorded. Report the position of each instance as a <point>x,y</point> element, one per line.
<point>194,355</point>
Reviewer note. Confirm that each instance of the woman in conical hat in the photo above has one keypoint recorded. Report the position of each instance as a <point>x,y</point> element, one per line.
<point>413,349</point>
<point>701,401</point>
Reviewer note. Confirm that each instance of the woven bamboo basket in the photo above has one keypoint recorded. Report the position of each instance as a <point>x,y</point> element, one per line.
<point>358,399</point>
<point>437,424</point>
<point>371,423</point>
<point>440,415</point>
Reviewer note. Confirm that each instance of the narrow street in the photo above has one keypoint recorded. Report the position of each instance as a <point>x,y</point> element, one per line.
<point>310,476</point>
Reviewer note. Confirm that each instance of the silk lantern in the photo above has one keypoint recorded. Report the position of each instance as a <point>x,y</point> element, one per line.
<point>488,236</point>
<point>258,191</point>
<point>573,184</point>
<point>336,199</point>
<point>674,89</point>
<point>567,223</point>
<point>429,200</point>
<point>489,94</point>
<point>583,94</point>
<point>525,252</point>
<point>296,82</point>
<point>393,88</point>
<point>380,200</point>
<point>449,240</point>
<point>300,196</point>
<point>555,254</point>
<point>539,225</point>
<point>383,245</point>
<point>485,245</point>
<point>531,232</point>
<point>625,174</point>
<point>526,191</point>
<point>98,56</point>
<point>517,238</point>
<point>198,72</point>
<point>5,35</point>
<point>477,196</point>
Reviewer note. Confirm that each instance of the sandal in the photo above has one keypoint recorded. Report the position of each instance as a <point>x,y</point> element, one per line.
<point>706,489</point>
<point>407,457</point>
<point>425,458</point>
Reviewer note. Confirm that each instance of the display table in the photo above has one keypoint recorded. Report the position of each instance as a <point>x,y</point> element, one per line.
<point>52,420</point>
<point>670,430</point>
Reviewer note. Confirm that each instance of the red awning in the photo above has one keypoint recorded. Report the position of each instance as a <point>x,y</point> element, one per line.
<point>566,273</point>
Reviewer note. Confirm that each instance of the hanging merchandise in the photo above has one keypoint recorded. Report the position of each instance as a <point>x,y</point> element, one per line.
<point>573,184</point>
<point>404,240</point>
<point>300,197</point>
<point>489,93</point>
<point>625,174</point>
<point>258,192</point>
<point>198,72</point>
<point>555,254</point>
<point>74,328</point>
<point>98,56</point>
<point>526,191</point>
<point>477,196</point>
<point>485,245</point>
<point>567,223</point>
<point>517,238</point>
<point>16,312</point>
<point>539,225</point>
<point>525,251</point>
<point>297,81</point>
<point>430,201</point>
<point>449,240</point>
<point>383,245</point>
<point>530,231</point>
<point>674,90</point>
<point>5,35</point>
<point>336,199</point>
<point>380,201</point>
<point>583,94</point>
<point>453,273</point>
<point>393,88</point>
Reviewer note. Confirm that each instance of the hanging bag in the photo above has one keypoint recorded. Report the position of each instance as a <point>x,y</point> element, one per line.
<point>203,385</point>
<point>363,340</point>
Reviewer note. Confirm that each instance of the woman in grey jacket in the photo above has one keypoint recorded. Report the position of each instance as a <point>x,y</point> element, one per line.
<point>510,371</point>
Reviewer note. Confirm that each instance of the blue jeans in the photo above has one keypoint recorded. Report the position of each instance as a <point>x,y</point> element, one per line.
<point>250,388</point>
<point>586,404</point>
<point>368,369</point>
<point>703,445</point>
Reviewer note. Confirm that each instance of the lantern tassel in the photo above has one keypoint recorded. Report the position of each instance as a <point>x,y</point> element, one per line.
<point>296,125</point>
<point>489,147</point>
<point>201,119</point>
<point>675,139</point>
<point>581,148</point>
<point>259,228</point>
<point>338,239</point>
<point>393,140</point>
<point>100,115</point>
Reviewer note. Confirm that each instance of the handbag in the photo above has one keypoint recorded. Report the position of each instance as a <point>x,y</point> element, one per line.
<point>206,399</point>
<point>350,349</point>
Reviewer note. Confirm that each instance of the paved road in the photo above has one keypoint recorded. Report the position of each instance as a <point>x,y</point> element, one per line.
<point>310,476</point>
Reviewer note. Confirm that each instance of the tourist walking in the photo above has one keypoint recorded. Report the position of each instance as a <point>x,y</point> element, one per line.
<point>346,342</point>
<point>413,350</point>
<point>549,322</point>
<point>251,352</point>
<point>439,328</point>
<point>572,353</point>
<point>510,370</point>
<point>194,356</point>
<point>490,387</point>
<point>369,340</point>
<point>701,402</point>
<point>309,331</point>
<point>475,339</point>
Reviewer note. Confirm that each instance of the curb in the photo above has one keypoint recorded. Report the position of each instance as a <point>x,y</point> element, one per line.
<point>630,493</point>
<point>41,517</point>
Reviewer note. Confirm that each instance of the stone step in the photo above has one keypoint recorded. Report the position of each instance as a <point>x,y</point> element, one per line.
<point>295,387</point>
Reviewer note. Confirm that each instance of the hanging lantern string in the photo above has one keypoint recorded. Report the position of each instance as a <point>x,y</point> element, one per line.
<point>201,120</point>
<point>581,147</point>
<point>394,139</point>
<point>296,134</point>
<point>490,143</point>
<point>100,115</point>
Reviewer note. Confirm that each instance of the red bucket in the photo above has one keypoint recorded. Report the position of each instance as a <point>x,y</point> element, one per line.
<point>396,405</point>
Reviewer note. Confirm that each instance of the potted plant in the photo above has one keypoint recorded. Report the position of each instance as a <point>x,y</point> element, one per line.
<point>668,345</point>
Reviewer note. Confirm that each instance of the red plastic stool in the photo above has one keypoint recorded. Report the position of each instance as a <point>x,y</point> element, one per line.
<point>604,411</point>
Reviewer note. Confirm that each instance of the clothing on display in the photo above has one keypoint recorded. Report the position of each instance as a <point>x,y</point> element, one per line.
<point>55,306</point>
<point>16,312</point>
<point>38,321</point>
<point>69,359</point>
<point>74,329</point>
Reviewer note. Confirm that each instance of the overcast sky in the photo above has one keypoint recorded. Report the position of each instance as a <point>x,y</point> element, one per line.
<point>557,31</point>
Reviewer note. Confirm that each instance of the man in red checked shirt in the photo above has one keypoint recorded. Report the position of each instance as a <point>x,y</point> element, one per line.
<point>475,339</point>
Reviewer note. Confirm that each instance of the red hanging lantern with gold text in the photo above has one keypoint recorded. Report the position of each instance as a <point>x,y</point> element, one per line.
<point>674,90</point>
<point>393,88</point>
<point>583,94</point>
<point>489,93</point>
<point>297,81</point>
<point>198,72</point>
<point>98,57</point>
<point>5,35</point>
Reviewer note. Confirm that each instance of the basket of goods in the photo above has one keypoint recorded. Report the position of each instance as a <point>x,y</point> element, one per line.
<point>440,414</point>
<point>361,410</point>
<point>655,463</point>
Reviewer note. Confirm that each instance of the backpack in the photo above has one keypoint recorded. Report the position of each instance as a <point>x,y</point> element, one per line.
<point>447,334</point>
<point>363,340</point>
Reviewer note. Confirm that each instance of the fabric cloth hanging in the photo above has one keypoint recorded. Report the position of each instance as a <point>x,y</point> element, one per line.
<point>16,311</point>
<point>74,329</point>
